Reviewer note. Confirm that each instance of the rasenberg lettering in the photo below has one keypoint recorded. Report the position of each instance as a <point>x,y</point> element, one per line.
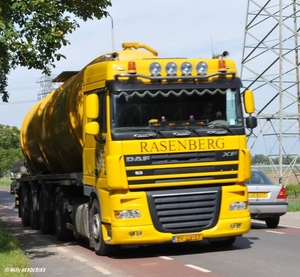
<point>182,145</point>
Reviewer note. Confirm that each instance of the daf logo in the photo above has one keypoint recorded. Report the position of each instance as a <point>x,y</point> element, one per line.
<point>138,159</point>
<point>229,154</point>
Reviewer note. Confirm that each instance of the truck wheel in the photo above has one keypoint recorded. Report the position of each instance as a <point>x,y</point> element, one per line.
<point>101,248</point>
<point>24,214</point>
<point>272,222</point>
<point>33,215</point>
<point>45,217</point>
<point>62,232</point>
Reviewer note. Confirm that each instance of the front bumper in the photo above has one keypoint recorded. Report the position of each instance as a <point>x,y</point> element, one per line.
<point>149,235</point>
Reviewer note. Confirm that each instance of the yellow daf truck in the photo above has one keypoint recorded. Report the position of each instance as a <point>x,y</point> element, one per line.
<point>136,149</point>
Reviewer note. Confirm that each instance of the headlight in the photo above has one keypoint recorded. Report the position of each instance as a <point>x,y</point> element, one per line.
<point>155,68</point>
<point>201,68</point>
<point>186,68</point>
<point>127,214</point>
<point>171,68</point>
<point>235,206</point>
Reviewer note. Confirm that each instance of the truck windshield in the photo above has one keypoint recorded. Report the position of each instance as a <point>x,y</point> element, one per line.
<point>138,110</point>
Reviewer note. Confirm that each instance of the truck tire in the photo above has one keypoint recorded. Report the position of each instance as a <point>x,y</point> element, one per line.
<point>45,217</point>
<point>24,214</point>
<point>60,218</point>
<point>33,214</point>
<point>100,247</point>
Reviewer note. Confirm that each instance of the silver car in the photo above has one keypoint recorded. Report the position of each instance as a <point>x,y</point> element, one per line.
<point>267,201</point>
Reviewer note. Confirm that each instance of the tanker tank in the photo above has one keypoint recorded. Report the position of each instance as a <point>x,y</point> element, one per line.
<point>51,133</point>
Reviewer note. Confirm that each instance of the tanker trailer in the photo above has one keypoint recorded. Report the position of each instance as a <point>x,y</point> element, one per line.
<point>134,149</point>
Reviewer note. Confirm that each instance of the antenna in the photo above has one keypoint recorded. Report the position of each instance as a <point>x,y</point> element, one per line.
<point>112,33</point>
<point>212,47</point>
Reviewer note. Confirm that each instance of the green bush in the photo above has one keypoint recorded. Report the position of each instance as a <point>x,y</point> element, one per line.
<point>293,190</point>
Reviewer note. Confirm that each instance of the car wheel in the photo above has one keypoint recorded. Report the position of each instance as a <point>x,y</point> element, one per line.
<point>272,222</point>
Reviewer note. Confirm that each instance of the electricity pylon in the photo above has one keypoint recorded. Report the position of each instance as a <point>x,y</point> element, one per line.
<point>270,67</point>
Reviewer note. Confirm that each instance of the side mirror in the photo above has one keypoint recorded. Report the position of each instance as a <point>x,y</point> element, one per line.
<point>251,122</point>
<point>249,101</point>
<point>92,106</point>
<point>92,128</point>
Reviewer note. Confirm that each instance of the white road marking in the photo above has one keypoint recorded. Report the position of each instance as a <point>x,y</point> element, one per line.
<point>166,258</point>
<point>198,268</point>
<point>276,232</point>
<point>290,226</point>
<point>80,258</point>
<point>102,270</point>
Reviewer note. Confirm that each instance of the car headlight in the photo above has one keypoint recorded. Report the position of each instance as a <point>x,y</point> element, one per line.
<point>155,68</point>
<point>186,68</point>
<point>171,68</point>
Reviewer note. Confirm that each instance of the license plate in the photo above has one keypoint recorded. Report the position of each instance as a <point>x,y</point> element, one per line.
<point>185,238</point>
<point>258,195</point>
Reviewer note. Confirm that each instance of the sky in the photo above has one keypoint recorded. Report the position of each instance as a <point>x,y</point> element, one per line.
<point>177,28</point>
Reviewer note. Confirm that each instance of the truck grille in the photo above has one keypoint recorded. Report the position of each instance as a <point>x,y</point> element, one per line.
<point>160,169</point>
<point>184,210</point>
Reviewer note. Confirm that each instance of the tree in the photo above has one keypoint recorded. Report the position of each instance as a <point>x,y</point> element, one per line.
<point>32,32</point>
<point>10,150</point>
<point>259,159</point>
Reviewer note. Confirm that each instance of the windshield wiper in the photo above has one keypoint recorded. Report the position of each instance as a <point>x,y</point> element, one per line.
<point>145,135</point>
<point>218,132</point>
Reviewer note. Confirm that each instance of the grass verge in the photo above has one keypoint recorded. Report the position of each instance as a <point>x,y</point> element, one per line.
<point>12,258</point>
<point>294,205</point>
<point>5,182</point>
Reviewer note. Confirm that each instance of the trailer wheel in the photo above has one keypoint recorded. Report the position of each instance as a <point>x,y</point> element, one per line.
<point>62,232</point>
<point>45,217</point>
<point>101,248</point>
<point>33,214</point>
<point>24,214</point>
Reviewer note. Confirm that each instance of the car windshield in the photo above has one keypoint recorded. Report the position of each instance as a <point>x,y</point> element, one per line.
<point>259,178</point>
<point>137,109</point>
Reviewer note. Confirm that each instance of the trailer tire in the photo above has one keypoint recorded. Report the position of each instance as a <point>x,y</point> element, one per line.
<point>33,214</point>
<point>60,219</point>
<point>100,247</point>
<point>24,214</point>
<point>45,217</point>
